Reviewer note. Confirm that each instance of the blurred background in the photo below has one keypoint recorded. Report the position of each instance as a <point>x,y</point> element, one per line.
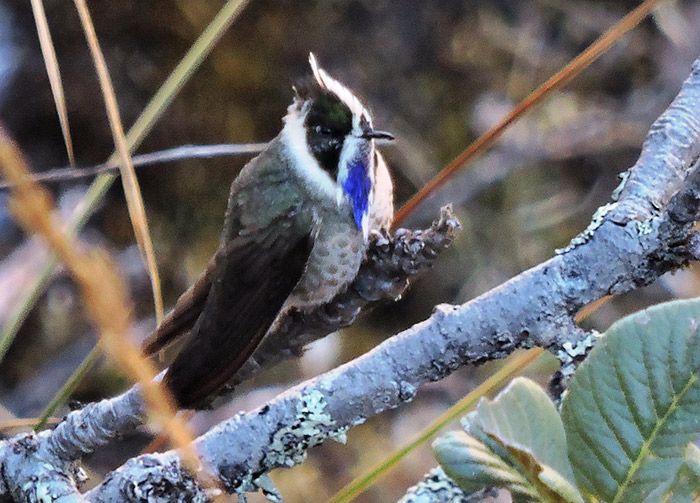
<point>436,74</point>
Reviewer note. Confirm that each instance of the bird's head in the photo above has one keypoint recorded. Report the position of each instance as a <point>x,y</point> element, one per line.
<point>338,133</point>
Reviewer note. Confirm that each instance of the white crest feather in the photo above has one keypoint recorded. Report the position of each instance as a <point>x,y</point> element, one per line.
<point>343,93</point>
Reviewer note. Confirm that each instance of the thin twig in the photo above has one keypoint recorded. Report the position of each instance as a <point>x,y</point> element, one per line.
<point>181,153</point>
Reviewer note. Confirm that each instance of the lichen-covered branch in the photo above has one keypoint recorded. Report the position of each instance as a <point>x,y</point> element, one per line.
<point>645,231</point>
<point>31,472</point>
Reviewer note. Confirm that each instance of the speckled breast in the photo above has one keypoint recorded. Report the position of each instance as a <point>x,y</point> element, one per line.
<point>335,258</point>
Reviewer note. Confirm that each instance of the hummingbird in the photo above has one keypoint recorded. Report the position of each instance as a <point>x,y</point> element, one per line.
<point>295,233</point>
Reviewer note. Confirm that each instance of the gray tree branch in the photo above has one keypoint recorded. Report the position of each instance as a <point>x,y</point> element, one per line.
<point>644,232</point>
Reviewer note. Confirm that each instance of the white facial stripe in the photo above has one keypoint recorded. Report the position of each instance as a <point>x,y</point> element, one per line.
<point>300,157</point>
<point>343,93</point>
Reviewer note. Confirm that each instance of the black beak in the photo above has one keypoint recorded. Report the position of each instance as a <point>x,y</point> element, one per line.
<point>373,134</point>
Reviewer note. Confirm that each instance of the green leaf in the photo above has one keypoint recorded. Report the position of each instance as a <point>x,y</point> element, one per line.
<point>633,406</point>
<point>523,417</point>
<point>517,442</point>
<point>474,466</point>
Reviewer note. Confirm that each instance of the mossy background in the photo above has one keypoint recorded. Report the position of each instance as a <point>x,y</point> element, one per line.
<point>436,74</point>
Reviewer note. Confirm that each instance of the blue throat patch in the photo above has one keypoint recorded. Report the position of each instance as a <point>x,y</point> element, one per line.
<point>357,186</point>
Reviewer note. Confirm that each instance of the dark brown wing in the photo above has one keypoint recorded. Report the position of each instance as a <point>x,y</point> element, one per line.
<point>184,315</point>
<point>265,245</point>
<point>252,285</point>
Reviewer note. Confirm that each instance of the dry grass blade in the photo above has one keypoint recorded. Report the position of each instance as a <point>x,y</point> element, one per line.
<point>591,308</point>
<point>54,73</point>
<point>556,81</point>
<point>134,201</point>
<point>103,291</point>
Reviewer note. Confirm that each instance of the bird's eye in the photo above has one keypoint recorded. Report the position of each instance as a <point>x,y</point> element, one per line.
<point>323,130</point>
